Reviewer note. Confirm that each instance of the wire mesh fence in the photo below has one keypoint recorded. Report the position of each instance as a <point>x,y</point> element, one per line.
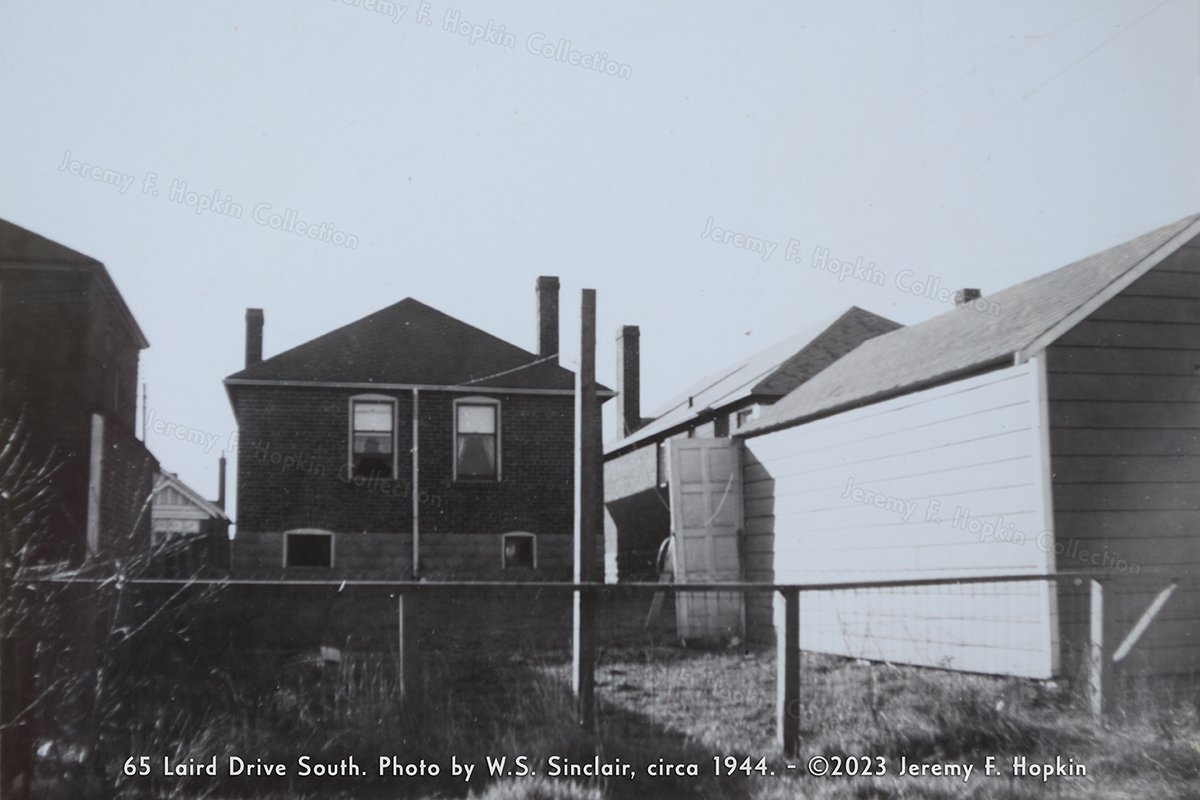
<point>407,682</point>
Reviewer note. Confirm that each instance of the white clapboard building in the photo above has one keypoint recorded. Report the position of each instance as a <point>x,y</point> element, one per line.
<point>1051,426</point>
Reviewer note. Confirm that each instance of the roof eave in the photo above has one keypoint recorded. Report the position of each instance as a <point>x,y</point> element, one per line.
<point>879,397</point>
<point>232,382</point>
<point>1118,285</point>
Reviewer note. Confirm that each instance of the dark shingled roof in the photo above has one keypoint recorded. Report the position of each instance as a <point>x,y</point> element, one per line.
<point>767,374</point>
<point>965,338</point>
<point>410,343</point>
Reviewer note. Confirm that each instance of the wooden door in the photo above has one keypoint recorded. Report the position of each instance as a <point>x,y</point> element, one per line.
<point>706,521</point>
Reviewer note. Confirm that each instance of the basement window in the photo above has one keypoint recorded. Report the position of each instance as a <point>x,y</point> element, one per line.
<point>476,440</point>
<point>519,550</point>
<point>373,437</point>
<point>308,549</point>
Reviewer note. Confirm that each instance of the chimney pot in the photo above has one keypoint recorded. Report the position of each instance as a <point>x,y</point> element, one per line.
<point>547,299</point>
<point>254,336</point>
<point>629,378</point>
<point>964,296</point>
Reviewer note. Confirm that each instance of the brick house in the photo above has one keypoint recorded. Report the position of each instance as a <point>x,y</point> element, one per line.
<point>69,349</point>
<point>407,443</point>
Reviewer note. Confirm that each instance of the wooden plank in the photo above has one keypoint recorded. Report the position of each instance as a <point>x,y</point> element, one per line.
<point>1185,259</point>
<point>787,676</point>
<point>1133,525</point>
<point>95,484</point>
<point>899,428</point>
<point>1129,307</point>
<point>1074,414</point>
<point>1126,496</point>
<point>1128,469</point>
<point>1147,617</point>
<point>1141,333</point>
<point>1100,674</point>
<point>1125,442</point>
<point>1166,283</point>
<point>1123,360</point>
<point>1156,388</point>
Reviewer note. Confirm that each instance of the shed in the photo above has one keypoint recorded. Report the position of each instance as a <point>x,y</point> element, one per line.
<point>1054,427</point>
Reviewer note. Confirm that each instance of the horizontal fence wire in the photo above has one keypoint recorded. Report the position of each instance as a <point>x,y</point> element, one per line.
<point>685,674</point>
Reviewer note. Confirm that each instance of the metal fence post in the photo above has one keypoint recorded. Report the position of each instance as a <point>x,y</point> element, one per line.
<point>787,674</point>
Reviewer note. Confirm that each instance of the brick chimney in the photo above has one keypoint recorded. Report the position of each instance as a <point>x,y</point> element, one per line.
<point>254,336</point>
<point>221,483</point>
<point>629,378</point>
<point>547,299</point>
<point>964,296</point>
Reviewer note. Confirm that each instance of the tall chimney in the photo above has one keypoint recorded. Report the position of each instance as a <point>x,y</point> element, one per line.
<point>964,296</point>
<point>221,483</point>
<point>629,378</point>
<point>254,336</point>
<point>547,297</point>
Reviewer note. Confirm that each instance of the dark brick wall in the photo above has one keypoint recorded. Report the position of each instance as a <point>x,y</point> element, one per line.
<point>65,353</point>
<point>58,329</point>
<point>128,473</point>
<point>293,473</point>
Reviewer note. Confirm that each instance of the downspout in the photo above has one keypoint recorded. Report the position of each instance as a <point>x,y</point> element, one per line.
<point>416,485</point>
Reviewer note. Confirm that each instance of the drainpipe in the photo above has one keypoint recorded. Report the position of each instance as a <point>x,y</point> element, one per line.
<point>416,485</point>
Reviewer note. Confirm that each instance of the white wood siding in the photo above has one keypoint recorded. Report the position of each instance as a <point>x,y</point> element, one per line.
<point>903,489</point>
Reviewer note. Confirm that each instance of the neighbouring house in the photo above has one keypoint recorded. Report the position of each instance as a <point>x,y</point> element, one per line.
<point>189,534</point>
<point>636,474</point>
<point>407,443</point>
<point>1054,427</point>
<point>69,349</point>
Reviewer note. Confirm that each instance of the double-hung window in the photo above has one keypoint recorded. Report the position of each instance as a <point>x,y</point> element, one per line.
<point>477,440</point>
<point>372,438</point>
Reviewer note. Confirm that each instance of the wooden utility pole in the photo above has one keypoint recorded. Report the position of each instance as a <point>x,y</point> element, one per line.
<point>589,512</point>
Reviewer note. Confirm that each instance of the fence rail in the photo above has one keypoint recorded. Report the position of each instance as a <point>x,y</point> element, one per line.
<point>1103,645</point>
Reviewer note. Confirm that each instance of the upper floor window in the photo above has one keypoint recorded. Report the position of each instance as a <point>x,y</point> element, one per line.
<point>477,439</point>
<point>373,438</point>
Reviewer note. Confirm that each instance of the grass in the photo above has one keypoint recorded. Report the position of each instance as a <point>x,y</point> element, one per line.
<point>658,703</point>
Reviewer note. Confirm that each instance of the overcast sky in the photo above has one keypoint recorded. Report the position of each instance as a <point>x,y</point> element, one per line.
<point>966,143</point>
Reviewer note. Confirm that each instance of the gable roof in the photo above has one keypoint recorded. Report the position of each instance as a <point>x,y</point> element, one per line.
<point>767,374</point>
<point>409,343</point>
<point>1008,327</point>
<point>24,249</point>
<point>170,479</point>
